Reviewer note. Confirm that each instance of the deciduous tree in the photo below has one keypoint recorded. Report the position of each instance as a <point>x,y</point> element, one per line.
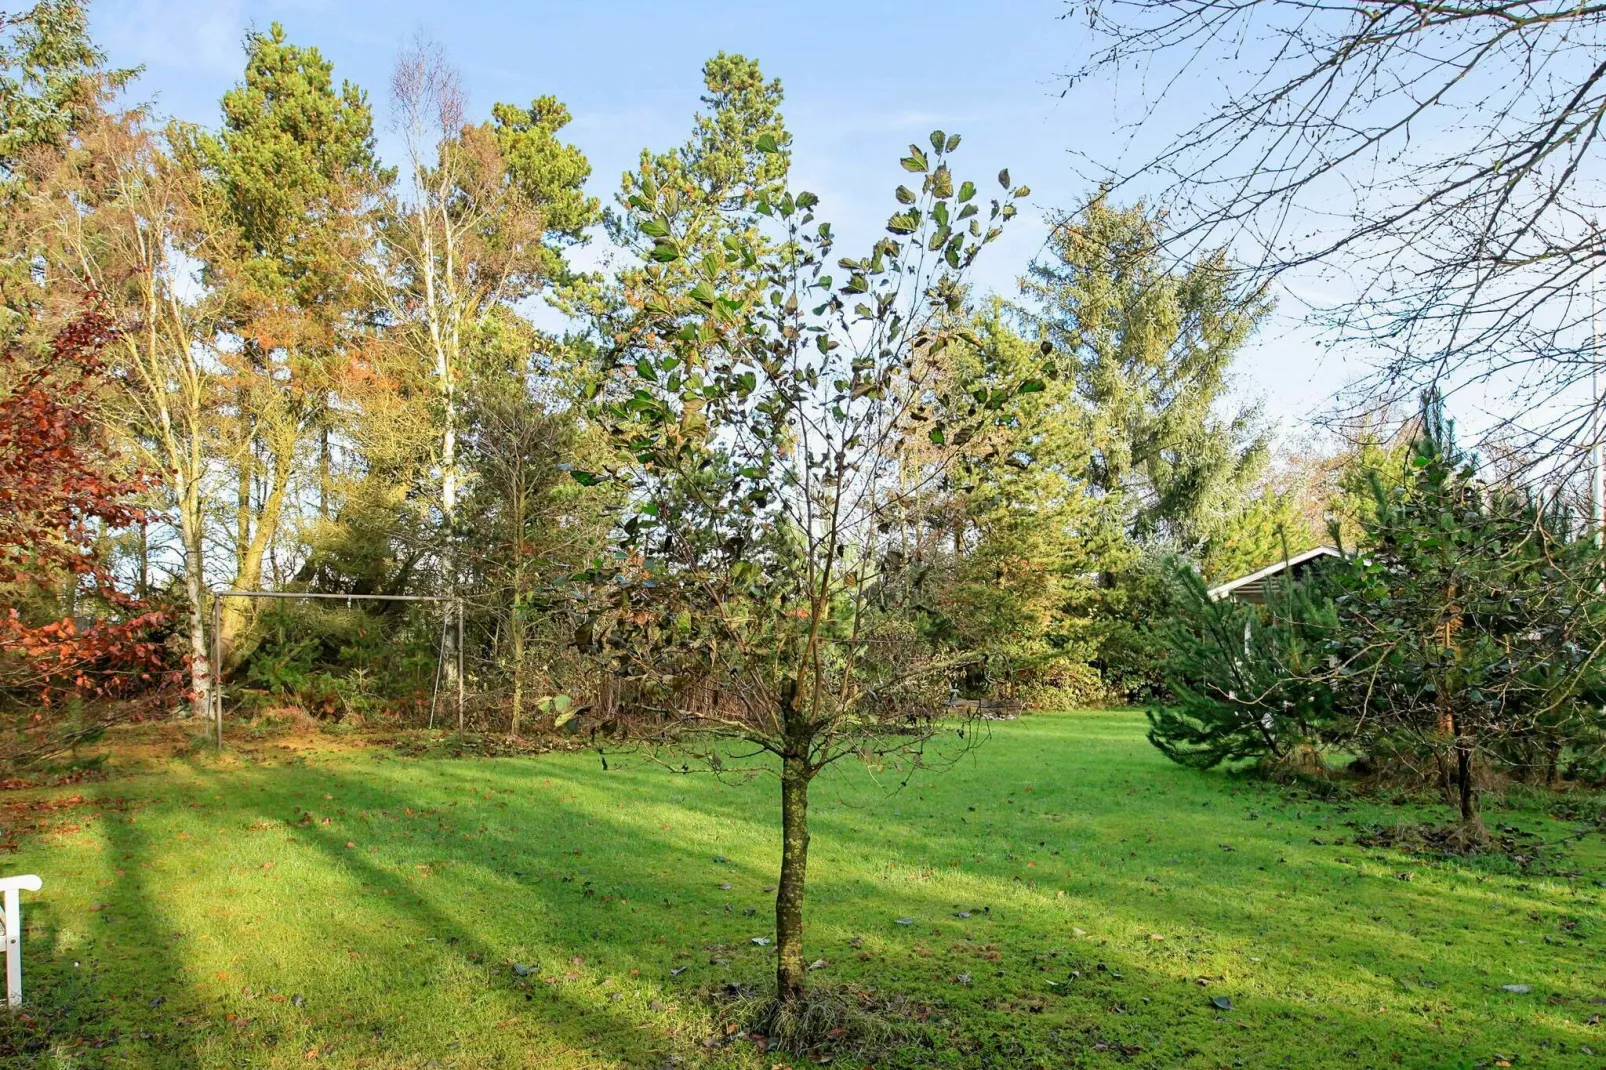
<point>481,226</point>
<point>61,486</point>
<point>754,605</point>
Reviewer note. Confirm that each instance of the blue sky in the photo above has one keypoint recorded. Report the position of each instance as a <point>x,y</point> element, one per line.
<point>862,80</point>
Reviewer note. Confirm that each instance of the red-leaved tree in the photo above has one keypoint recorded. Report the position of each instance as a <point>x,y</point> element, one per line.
<point>59,482</point>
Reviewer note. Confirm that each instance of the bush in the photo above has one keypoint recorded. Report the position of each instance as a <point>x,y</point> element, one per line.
<point>333,661</point>
<point>1071,686</point>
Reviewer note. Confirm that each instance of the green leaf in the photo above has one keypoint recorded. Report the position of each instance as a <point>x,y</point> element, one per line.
<point>967,190</point>
<point>953,143</point>
<point>1003,178</point>
<point>904,222</point>
<point>645,369</point>
<point>665,251</point>
<point>703,292</point>
<point>1032,386</point>
<point>915,161</point>
<point>937,436</point>
<point>655,228</point>
<point>905,195</point>
<point>767,144</point>
<point>585,479</point>
<point>938,138</point>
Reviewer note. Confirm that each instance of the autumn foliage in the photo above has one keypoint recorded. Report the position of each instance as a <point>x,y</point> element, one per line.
<point>59,484</point>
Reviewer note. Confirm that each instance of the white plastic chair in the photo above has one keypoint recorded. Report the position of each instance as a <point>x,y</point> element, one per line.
<point>11,889</point>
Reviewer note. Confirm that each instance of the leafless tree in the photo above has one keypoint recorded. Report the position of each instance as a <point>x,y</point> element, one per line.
<point>1435,166</point>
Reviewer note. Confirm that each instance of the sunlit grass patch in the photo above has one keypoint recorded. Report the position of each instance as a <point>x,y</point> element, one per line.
<point>1064,897</point>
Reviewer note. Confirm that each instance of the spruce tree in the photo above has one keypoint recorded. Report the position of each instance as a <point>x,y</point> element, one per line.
<point>1150,350</point>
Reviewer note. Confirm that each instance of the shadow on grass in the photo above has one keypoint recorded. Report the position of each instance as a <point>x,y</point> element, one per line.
<point>581,1007</point>
<point>431,905</point>
<point>571,906</point>
<point>107,985</point>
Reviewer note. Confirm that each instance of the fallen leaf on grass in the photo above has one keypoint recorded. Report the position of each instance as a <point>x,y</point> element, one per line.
<point>1221,1003</point>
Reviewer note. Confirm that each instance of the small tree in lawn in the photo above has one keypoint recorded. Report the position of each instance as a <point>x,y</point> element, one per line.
<point>755,606</point>
<point>1470,622</point>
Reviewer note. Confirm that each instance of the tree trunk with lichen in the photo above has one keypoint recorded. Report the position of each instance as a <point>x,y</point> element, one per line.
<point>790,968</point>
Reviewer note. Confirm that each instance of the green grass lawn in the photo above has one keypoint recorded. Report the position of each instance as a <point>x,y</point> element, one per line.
<point>366,910</point>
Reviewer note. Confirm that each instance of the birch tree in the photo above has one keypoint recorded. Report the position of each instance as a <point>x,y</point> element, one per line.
<point>115,218</point>
<point>485,215</point>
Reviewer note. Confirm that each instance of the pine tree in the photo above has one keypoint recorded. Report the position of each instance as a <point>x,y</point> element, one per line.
<point>1469,620</point>
<point>1244,675</point>
<point>290,183</point>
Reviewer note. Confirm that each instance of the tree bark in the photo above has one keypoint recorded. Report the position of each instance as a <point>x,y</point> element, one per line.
<point>1469,795</point>
<point>1471,821</point>
<point>516,627</point>
<point>248,569</point>
<point>790,968</point>
<point>323,468</point>
<point>201,682</point>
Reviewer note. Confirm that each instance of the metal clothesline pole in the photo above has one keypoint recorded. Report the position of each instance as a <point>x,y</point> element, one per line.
<point>459,666</point>
<point>338,597</point>
<point>214,670</point>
